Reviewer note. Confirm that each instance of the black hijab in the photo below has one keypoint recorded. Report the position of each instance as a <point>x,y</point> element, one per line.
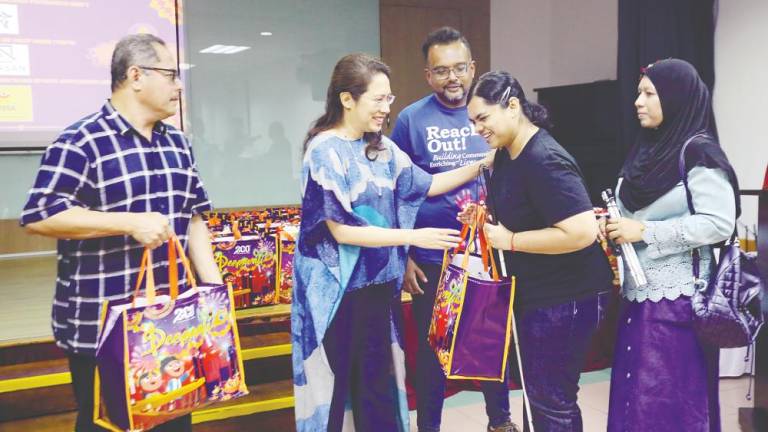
<point>651,168</point>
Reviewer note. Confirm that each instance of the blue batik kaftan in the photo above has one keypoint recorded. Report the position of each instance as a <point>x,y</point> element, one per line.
<point>342,185</point>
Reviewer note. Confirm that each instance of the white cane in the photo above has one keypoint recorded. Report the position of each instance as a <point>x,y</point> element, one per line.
<point>502,263</point>
<point>526,403</point>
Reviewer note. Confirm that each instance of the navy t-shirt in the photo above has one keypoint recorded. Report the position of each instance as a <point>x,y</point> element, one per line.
<point>538,189</point>
<point>437,139</point>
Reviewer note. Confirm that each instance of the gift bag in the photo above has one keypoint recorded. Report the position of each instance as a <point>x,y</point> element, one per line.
<point>166,354</point>
<point>286,245</point>
<point>249,264</point>
<point>472,316</point>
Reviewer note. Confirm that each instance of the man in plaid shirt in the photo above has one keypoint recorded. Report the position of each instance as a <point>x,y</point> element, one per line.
<point>113,183</point>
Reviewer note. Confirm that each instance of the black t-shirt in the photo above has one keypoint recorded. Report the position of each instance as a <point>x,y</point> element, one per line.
<point>538,189</point>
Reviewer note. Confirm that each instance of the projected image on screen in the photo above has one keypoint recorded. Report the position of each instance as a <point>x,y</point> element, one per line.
<point>55,56</point>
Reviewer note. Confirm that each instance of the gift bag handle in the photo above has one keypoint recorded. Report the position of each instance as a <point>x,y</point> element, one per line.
<point>470,242</point>
<point>468,233</point>
<point>174,248</point>
<point>486,250</point>
<point>149,291</point>
<point>283,235</point>
<point>185,262</point>
<point>487,255</point>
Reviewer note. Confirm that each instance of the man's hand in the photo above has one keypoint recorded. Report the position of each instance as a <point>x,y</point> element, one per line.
<point>413,275</point>
<point>150,229</point>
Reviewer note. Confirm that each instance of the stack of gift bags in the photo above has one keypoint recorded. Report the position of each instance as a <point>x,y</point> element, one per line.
<point>254,251</point>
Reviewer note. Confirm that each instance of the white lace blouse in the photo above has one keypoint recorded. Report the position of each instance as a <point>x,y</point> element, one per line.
<point>672,233</point>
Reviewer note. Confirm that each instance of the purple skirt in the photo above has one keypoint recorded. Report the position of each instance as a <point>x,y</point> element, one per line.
<point>663,378</point>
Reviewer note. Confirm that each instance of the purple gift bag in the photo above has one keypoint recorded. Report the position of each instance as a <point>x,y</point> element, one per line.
<point>164,355</point>
<point>286,249</point>
<point>472,317</point>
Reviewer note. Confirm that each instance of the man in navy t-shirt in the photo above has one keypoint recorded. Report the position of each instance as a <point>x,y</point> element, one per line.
<point>436,133</point>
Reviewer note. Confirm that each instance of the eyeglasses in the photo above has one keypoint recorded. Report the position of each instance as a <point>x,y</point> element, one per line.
<point>171,74</point>
<point>442,72</point>
<point>384,99</point>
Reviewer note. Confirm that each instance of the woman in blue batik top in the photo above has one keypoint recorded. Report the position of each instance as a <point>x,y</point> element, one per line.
<point>360,197</point>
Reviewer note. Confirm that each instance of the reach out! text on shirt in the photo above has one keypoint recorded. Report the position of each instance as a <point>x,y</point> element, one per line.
<point>454,139</point>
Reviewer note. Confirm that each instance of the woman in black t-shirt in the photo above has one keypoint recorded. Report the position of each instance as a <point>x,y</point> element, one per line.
<point>547,230</point>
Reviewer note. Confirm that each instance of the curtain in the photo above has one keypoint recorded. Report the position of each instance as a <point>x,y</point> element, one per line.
<point>651,30</point>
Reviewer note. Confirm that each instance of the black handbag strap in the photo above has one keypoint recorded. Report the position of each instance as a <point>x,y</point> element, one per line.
<point>689,198</point>
<point>489,203</point>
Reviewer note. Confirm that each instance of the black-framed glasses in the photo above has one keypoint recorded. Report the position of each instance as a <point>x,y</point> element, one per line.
<point>171,74</point>
<point>443,72</point>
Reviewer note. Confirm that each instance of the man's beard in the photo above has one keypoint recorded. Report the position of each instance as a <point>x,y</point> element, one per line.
<point>452,100</point>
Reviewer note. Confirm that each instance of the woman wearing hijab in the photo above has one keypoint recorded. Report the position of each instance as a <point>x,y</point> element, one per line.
<point>663,378</point>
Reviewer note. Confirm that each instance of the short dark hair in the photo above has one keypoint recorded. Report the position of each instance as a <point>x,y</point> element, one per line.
<point>443,36</point>
<point>132,50</point>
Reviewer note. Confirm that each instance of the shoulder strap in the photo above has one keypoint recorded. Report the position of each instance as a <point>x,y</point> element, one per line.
<point>684,175</point>
<point>689,198</point>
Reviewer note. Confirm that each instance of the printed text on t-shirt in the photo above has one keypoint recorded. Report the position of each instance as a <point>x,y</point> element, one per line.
<point>448,146</point>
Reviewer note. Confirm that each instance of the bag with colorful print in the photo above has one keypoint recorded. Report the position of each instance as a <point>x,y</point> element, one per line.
<point>163,355</point>
<point>472,316</point>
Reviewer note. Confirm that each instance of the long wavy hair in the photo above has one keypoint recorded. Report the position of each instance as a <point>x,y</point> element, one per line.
<point>351,74</point>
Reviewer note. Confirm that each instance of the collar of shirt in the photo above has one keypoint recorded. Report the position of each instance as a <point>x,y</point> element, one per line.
<point>120,124</point>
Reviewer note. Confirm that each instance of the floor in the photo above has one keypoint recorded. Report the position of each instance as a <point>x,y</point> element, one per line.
<point>27,287</point>
<point>465,411</point>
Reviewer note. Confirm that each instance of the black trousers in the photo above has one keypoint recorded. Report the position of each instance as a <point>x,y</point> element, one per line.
<point>83,368</point>
<point>358,344</point>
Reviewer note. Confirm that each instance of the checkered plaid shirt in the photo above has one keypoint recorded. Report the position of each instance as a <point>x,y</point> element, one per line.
<point>101,163</point>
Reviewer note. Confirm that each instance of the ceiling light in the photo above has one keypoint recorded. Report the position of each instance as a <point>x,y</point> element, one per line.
<point>266,33</point>
<point>233,49</point>
<point>211,49</point>
<point>223,49</point>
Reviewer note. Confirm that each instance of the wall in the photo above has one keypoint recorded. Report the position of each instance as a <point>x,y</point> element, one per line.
<point>249,112</point>
<point>740,92</point>
<point>554,42</point>
<point>250,109</point>
<point>17,172</point>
